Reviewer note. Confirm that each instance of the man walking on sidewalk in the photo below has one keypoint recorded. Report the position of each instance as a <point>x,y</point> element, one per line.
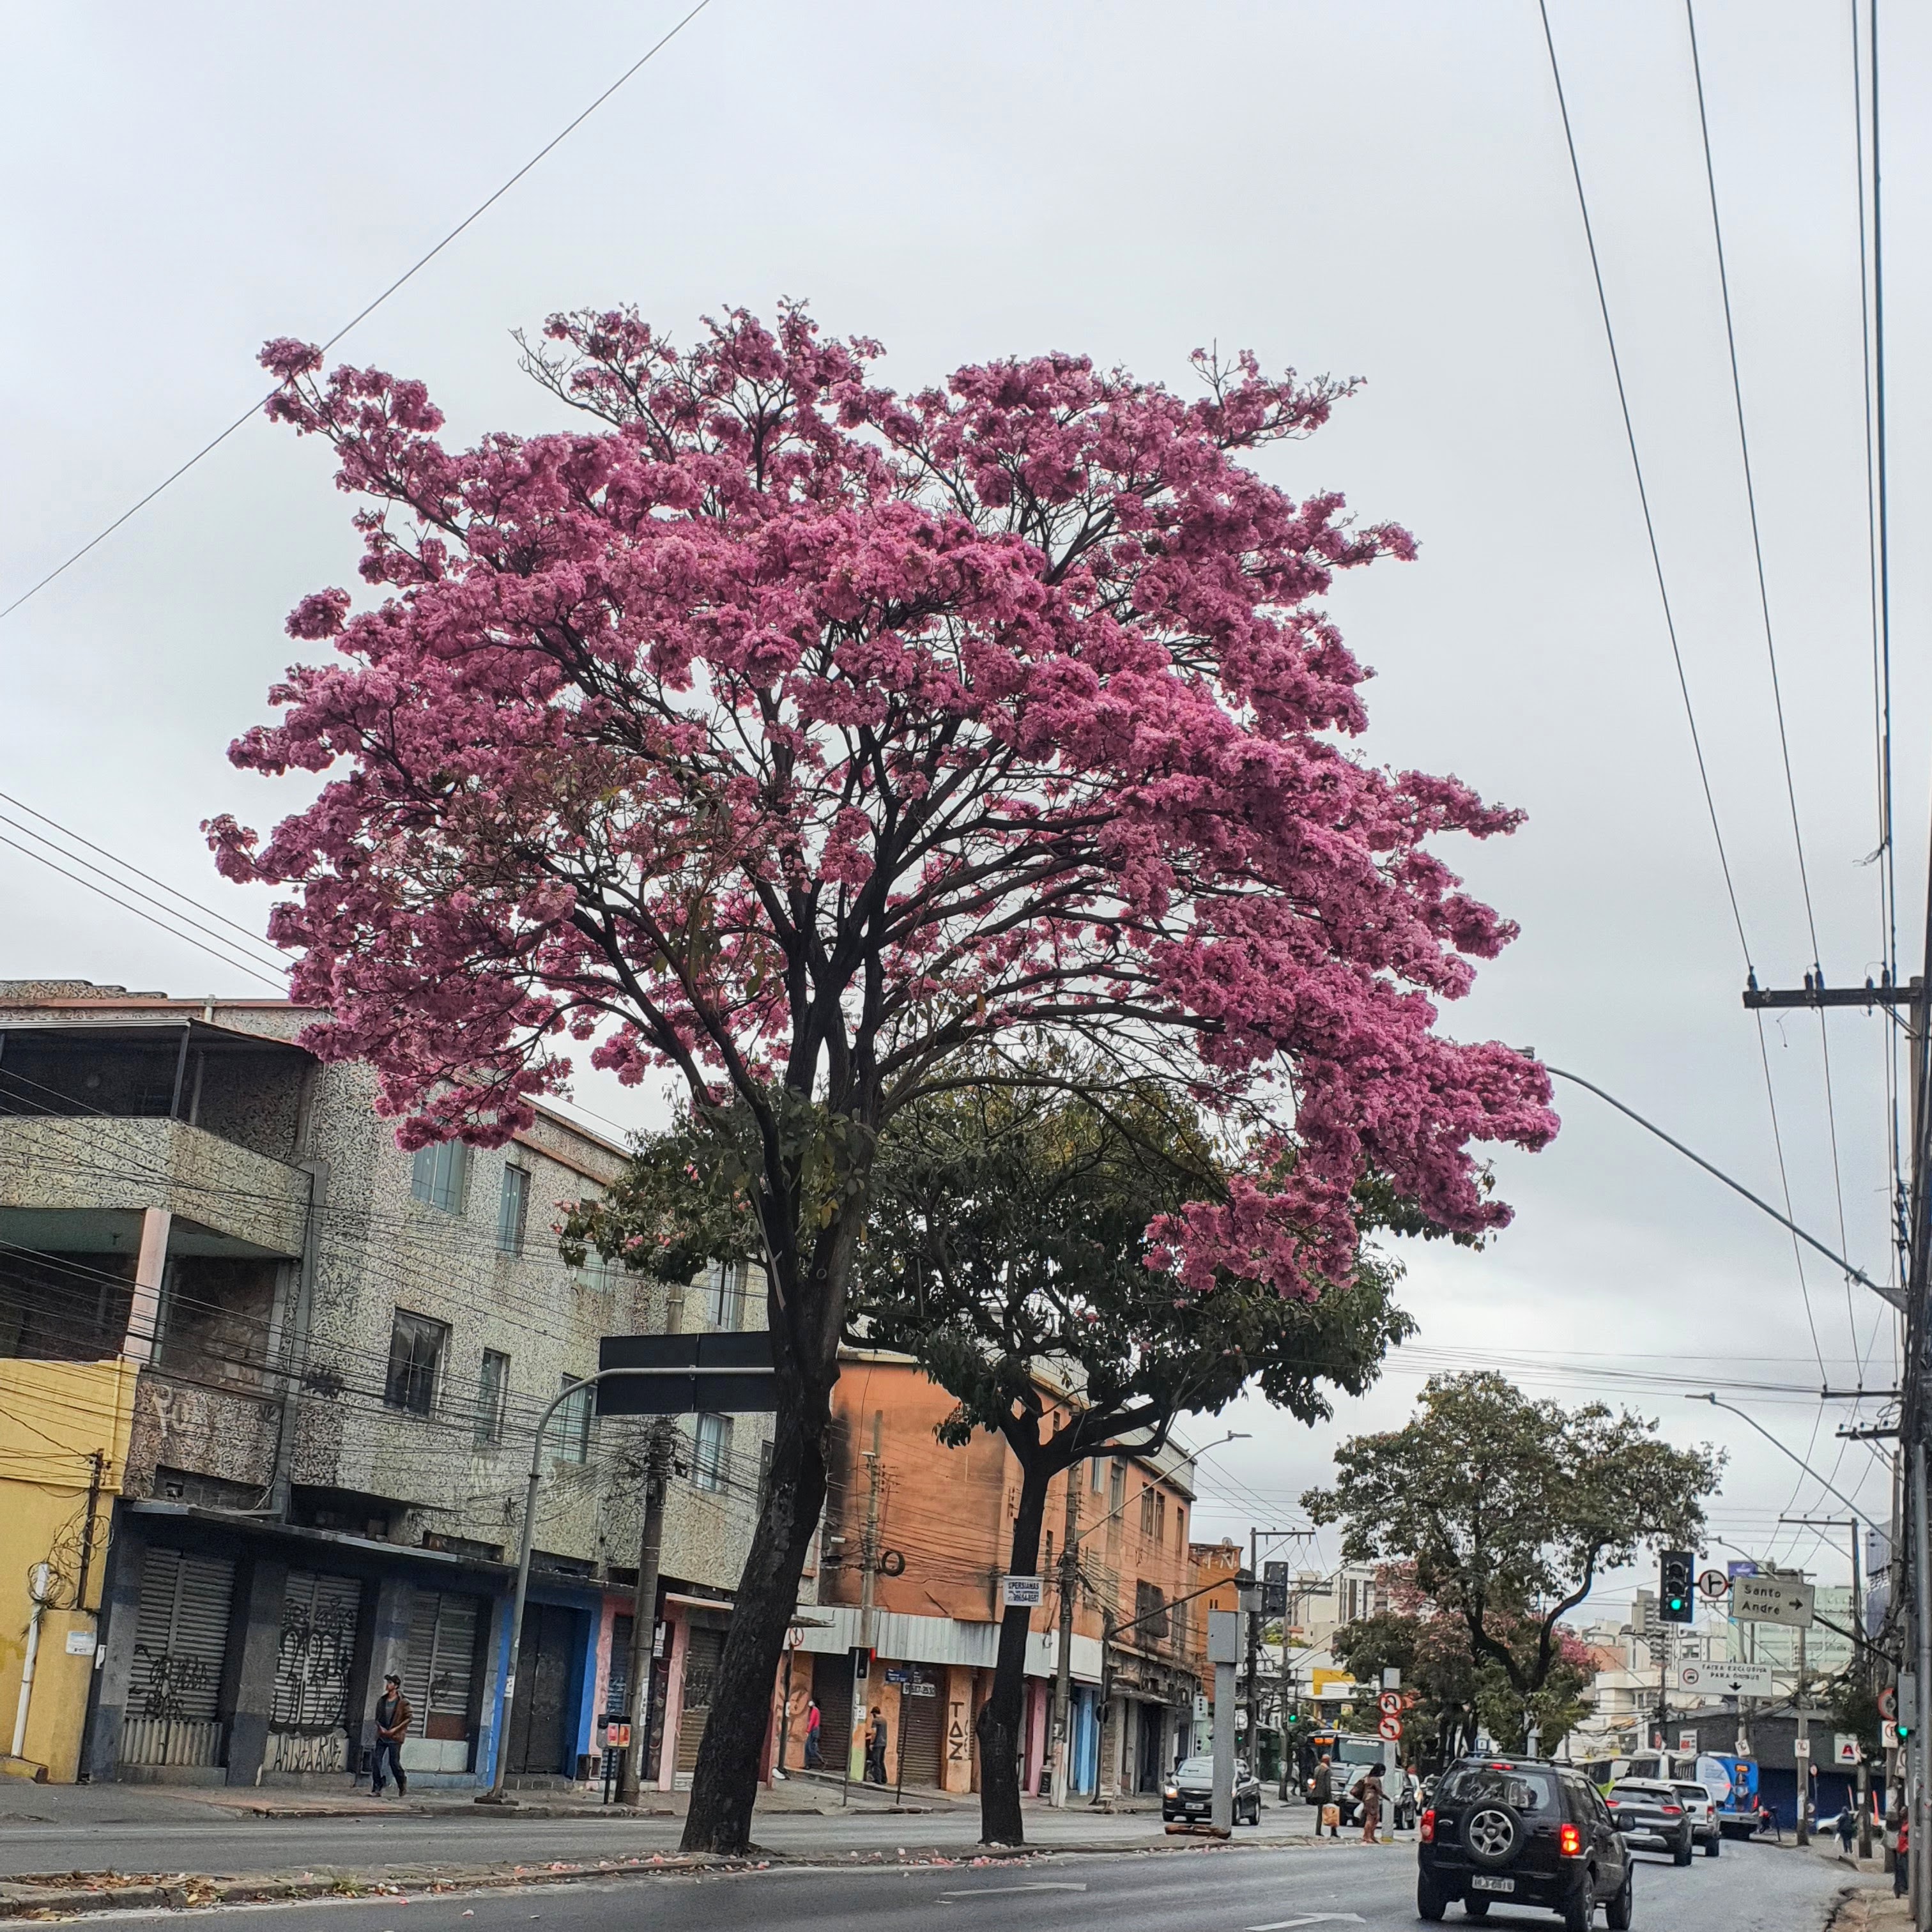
<point>393,1715</point>
<point>814,1723</point>
<point>1324,1795</point>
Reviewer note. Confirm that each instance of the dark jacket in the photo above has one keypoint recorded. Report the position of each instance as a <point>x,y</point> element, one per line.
<point>1325,1785</point>
<point>399,1719</point>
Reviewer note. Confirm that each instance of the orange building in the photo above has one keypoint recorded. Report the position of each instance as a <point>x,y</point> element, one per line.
<point>931,1527</point>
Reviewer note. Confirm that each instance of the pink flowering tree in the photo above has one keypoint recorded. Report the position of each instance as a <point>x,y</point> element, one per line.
<point>820,746</point>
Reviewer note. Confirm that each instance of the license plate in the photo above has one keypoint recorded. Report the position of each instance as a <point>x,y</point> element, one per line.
<point>1492,1884</point>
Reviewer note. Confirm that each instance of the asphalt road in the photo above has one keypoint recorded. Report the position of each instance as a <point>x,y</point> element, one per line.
<point>1752,1888</point>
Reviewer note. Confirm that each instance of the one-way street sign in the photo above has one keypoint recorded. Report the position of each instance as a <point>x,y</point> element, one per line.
<point>1727,1680</point>
<point>1772,1599</point>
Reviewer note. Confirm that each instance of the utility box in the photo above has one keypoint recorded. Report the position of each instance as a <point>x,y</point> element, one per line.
<point>1224,1637</point>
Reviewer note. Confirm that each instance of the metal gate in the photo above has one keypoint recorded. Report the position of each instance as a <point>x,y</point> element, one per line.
<point>922,1729</point>
<point>308,1721</point>
<point>439,1678</point>
<point>703,1650</point>
<point>180,1645</point>
<point>831,1685</point>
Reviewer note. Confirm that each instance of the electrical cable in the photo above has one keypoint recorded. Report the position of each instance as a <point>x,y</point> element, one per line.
<point>362,315</point>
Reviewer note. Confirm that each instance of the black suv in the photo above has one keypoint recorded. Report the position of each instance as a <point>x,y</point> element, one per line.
<point>1527,1833</point>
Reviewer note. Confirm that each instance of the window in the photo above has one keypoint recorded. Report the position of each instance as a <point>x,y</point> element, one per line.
<point>1180,1527</point>
<point>1147,1510</point>
<point>493,1390</point>
<point>1117,1488</point>
<point>513,1209</point>
<point>710,1466</point>
<point>440,1174</point>
<point>416,1345</point>
<point>1150,1612</point>
<point>1160,1515</point>
<point>570,1426</point>
<point>1096,1476</point>
<point>724,1293</point>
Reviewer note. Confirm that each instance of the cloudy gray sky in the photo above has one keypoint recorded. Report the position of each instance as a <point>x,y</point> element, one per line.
<point>1378,189</point>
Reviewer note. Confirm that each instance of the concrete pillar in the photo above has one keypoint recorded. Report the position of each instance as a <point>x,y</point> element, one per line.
<point>120,1614</point>
<point>680,1638</point>
<point>254,1646</point>
<point>381,1646</point>
<point>144,1309</point>
<point>492,1718</point>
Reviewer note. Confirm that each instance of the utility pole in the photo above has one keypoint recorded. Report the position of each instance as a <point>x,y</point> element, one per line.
<point>644,1617</point>
<point>868,1557</point>
<point>1062,1669</point>
<point>1804,1747</point>
<point>1254,1636</point>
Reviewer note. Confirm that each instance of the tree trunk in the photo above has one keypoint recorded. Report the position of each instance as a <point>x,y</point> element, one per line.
<point>999,1724</point>
<point>725,1785</point>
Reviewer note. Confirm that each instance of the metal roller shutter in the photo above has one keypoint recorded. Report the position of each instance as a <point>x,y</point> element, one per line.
<point>831,1685</point>
<point>921,1731</point>
<point>703,1649</point>
<point>320,1614</point>
<point>440,1670</point>
<point>172,1715</point>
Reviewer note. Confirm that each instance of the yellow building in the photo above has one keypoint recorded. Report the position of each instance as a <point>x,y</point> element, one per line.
<point>63,1435</point>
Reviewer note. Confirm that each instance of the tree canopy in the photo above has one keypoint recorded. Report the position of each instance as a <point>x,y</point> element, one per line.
<point>1507,1510</point>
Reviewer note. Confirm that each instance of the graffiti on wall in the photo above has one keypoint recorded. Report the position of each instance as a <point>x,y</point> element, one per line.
<point>955,1736</point>
<point>313,1658</point>
<point>167,1680</point>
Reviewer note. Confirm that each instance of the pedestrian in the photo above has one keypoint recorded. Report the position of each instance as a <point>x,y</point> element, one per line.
<point>1322,1795</point>
<point>393,1716</point>
<point>875,1748</point>
<point>1848,1825</point>
<point>815,1720</point>
<point>1767,1821</point>
<point>1901,1870</point>
<point>1368,1788</point>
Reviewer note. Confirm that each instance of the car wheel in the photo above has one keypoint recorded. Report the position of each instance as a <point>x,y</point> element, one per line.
<point>1714,1845</point>
<point>1477,1908</point>
<point>1581,1908</point>
<point>1429,1902</point>
<point>1681,1855</point>
<point>1617,1913</point>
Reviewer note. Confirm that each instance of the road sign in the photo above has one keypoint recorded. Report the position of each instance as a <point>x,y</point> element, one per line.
<point>1687,1744</point>
<point>1390,1703</point>
<point>922,1690</point>
<point>1729,1680</point>
<point>1772,1599</point>
<point>1844,1748</point>
<point>1714,1582</point>
<point>1391,1677</point>
<point>1800,1747</point>
<point>1019,1593</point>
<point>1887,1736</point>
<point>1887,1702</point>
<point>731,1375</point>
<point>1391,1728</point>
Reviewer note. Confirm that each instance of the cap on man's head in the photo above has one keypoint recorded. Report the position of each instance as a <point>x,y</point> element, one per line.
<point>392,1679</point>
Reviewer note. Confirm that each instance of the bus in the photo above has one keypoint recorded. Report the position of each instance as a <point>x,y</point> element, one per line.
<point>1349,1754</point>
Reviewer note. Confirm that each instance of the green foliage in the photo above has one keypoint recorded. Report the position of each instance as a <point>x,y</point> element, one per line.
<point>1008,1237</point>
<point>1506,1509</point>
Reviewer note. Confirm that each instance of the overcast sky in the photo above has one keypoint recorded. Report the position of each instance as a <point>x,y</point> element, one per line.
<point>1372,189</point>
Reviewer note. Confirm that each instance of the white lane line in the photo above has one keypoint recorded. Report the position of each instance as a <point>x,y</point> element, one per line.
<point>1310,1918</point>
<point>989,1891</point>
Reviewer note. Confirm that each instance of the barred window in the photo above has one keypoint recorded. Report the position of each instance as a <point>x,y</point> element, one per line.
<point>513,1210</point>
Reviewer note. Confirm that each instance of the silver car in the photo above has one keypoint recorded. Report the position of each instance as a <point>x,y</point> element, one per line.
<point>1701,1808</point>
<point>1189,1795</point>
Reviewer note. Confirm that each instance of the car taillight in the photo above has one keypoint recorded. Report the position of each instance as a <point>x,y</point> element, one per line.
<point>1570,1841</point>
<point>1425,1829</point>
<point>1672,1810</point>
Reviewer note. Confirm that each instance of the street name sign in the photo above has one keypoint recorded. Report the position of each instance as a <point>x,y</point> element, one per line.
<point>1727,1680</point>
<point>1018,1593</point>
<point>1772,1599</point>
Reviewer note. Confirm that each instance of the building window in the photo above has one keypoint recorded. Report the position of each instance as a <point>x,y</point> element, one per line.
<point>513,1209</point>
<point>710,1465</point>
<point>570,1428</point>
<point>1096,1476</point>
<point>1160,1515</point>
<point>439,1175</point>
<point>1150,1612</point>
<point>1180,1526</point>
<point>1117,1488</point>
<point>493,1392</point>
<point>1147,1510</point>
<point>724,1293</point>
<point>416,1345</point>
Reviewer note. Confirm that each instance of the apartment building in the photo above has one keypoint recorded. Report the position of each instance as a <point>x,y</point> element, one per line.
<point>932,1526</point>
<point>286,1381</point>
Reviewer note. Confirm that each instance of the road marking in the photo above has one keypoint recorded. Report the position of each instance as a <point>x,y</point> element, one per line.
<point>988,1890</point>
<point>1310,1918</point>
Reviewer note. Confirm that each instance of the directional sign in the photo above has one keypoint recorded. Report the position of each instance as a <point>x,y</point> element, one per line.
<point>1390,1703</point>
<point>730,1375</point>
<point>1714,1582</point>
<point>1021,1592</point>
<point>1391,1728</point>
<point>1772,1599</point>
<point>1728,1680</point>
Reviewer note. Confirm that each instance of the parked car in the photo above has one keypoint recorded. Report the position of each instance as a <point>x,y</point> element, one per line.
<point>1524,1832</point>
<point>1651,1809</point>
<point>1190,1793</point>
<point>1701,1809</point>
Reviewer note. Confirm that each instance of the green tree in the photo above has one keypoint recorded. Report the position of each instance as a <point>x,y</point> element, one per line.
<point>1507,1510</point>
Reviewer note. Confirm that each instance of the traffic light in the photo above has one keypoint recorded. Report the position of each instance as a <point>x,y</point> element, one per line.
<point>1903,1729</point>
<point>1675,1583</point>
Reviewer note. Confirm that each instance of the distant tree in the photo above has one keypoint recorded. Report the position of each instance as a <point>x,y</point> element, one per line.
<point>796,740</point>
<point>1506,1510</point>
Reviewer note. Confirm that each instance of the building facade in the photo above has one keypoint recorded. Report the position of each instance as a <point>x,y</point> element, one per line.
<point>314,1366</point>
<point>932,1526</point>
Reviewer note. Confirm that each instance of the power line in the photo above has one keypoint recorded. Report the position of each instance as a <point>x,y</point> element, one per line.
<point>362,315</point>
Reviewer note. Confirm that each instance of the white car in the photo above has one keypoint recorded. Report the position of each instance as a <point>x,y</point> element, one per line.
<point>1702,1810</point>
